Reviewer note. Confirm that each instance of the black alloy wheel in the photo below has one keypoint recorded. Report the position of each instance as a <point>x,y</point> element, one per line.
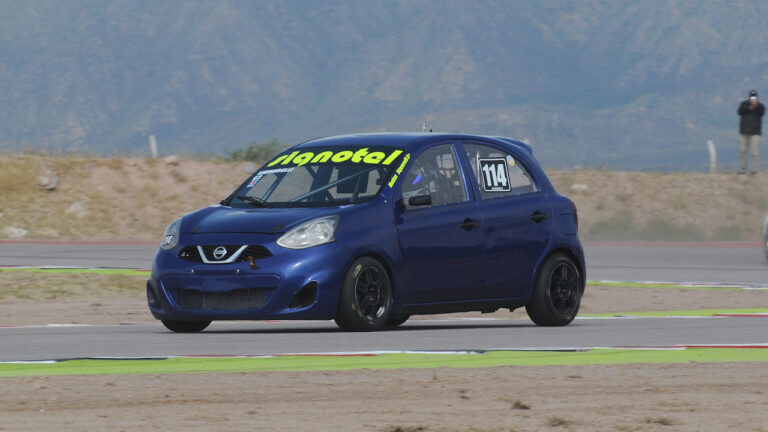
<point>564,288</point>
<point>371,293</point>
<point>366,296</point>
<point>557,294</point>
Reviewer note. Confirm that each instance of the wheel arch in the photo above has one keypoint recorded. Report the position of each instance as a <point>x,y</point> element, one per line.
<point>570,254</point>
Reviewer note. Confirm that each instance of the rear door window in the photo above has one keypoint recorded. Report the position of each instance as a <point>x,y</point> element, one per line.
<point>498,173</point>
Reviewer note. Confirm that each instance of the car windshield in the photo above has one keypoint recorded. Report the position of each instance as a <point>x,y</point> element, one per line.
<point>319,176</point>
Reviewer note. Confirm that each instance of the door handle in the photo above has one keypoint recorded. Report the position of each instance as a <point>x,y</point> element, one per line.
<point>538,217</point>
<point>469,224</point>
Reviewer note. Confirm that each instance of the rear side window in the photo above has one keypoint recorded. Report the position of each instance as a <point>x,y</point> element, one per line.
<point>497,173</point>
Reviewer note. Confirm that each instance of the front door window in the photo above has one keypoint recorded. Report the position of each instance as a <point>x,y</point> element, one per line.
<point>435,173</point>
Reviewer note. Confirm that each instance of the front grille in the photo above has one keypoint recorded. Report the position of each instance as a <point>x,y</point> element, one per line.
<point>191,253</point>
<point>257,252</point>
<point>247,298</point>
<point>208,251</point>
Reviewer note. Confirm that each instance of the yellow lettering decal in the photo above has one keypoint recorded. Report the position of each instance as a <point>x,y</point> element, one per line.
<point>274,162</point>
<point>342,156</point>
<point>402,165</point>
<point>299,158</point>
<point>288,159</point>
<point>374,158</point>
<point>399,169</point>
<point>322,157</point>
<point>392,157</point>
<point>303,158</point>
<point>359,155</point>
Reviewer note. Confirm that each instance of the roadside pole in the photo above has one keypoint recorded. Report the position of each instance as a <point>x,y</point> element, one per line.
<point>712,156</point>
<point>153,146</point>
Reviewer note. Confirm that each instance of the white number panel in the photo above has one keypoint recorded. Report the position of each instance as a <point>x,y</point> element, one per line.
<point>494,174</point>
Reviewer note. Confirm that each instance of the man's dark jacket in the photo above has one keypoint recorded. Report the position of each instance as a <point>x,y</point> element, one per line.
<point>751,121</point>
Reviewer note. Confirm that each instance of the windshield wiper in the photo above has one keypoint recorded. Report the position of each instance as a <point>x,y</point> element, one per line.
<point>258,202</point>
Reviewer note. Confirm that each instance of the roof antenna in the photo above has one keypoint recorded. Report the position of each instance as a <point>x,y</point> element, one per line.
<point>426,127</point>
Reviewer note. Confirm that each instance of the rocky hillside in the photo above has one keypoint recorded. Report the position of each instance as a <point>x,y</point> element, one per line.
<point>135,198</point>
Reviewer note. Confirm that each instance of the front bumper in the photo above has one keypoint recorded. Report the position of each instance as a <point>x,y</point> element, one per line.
<point>290,284</point>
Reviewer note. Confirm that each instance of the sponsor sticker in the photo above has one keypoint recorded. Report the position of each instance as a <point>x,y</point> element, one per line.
<point>255,180</point>
<point>494,174</point>
<point>399,169</point>
<point>261,174</point>
<point>354,155</point>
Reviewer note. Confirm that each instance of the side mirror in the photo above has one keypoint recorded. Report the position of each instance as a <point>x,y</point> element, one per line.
<point>420,200</point>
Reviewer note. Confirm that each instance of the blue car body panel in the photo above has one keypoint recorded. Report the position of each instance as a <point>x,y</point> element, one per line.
<point>434,264</point>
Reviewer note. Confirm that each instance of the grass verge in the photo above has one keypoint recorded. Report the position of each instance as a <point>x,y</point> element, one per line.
<point>676,313</point>
<point>29,284</point>
<point>384,361</point>
<point>662,285</point>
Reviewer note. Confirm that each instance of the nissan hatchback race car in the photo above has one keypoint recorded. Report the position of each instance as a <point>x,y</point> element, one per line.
<point>370,229</point>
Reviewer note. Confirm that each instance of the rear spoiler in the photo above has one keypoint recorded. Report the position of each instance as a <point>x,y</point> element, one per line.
<point>525,146</point>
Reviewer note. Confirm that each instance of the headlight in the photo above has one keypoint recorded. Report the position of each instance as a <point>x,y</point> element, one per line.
<point>311,233</point>
<point>171,236</point>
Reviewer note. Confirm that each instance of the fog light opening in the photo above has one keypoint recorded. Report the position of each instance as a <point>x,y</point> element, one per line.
<point>152,297</point>
<point>305,297</point>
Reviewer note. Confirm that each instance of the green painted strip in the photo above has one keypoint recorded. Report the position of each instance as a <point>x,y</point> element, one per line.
<point>385,361</point>
<point>673,313</point>
<point>120,272</point>
<point>652,285</point>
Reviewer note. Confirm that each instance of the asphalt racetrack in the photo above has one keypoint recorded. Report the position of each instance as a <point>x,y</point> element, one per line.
<point>674,262</point>
<point>728,263</point>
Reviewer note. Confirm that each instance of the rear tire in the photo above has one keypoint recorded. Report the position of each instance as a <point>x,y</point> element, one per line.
<point>557,294</point>
<point>366,297</point>
<point>186,326</point>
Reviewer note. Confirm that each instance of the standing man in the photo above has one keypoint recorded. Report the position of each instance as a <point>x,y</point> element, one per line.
<point>751,112</point>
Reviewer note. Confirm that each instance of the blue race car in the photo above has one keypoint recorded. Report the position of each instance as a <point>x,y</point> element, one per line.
<point>370,229</point>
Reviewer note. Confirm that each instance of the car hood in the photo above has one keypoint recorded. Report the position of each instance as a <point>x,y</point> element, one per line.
<point>222,219</point>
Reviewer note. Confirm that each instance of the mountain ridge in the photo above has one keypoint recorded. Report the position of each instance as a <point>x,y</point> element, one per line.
<point>630,85</point>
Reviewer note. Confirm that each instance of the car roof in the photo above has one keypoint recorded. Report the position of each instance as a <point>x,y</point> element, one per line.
<point>402,140</point>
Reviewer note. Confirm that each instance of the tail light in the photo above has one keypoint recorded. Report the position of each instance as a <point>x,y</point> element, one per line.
<point>575,215</point>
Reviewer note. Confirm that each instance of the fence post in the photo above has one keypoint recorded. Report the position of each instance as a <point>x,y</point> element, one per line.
<point>153,146</point>
<point>712,156</point>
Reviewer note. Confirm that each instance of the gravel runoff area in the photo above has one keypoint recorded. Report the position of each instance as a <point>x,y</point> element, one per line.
<point>635,397</point>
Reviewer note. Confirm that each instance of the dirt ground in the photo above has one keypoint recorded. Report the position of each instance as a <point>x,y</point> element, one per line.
<point>638,397</point>
<point>677,397</point>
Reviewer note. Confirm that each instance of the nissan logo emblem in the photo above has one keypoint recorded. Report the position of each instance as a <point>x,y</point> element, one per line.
<point>220,252</point>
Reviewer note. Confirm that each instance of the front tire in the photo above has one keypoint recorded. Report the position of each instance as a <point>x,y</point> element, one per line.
<point>557,294</point>
<point>366,297</point>
<point>396,321</point>
<point>186,326</point>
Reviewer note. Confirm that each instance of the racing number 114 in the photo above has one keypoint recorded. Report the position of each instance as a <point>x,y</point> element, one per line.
<point>495,175</point>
